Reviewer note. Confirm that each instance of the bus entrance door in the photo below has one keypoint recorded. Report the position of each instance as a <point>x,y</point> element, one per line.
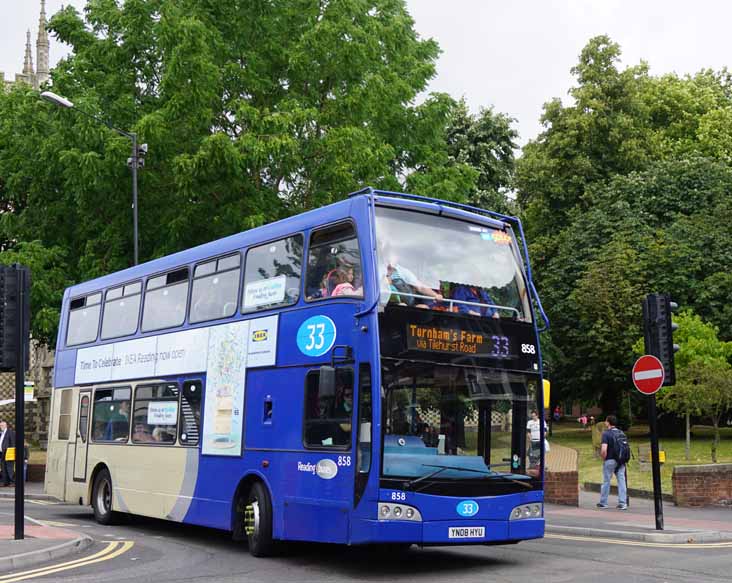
<point>82,437</point>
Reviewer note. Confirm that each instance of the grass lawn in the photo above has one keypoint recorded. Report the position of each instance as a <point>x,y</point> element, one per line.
<point>571,435</point>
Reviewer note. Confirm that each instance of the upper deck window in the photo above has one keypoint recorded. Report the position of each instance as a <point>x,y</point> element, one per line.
<point>84,319</point>
<point>165,300</point>
<point>121,311</point>
<point>334,264</point>
<point>441,263</point>
<point>272,274</point>
<point>215,289</point>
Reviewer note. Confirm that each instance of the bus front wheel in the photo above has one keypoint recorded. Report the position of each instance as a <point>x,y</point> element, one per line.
<point>102,498</point>
<point>258,521</point>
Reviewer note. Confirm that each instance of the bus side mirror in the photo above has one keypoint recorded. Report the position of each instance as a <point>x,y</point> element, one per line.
<point>327,381</point>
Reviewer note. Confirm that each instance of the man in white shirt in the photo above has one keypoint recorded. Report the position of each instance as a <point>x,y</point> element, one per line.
<point>533,429</point>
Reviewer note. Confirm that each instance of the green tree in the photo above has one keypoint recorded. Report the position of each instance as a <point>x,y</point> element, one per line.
<point>486,143</point>
<point>628,164</point>
<point>48,281</point>
<point>703,375</point>
<point>253,110</point>
<point>709,386</point>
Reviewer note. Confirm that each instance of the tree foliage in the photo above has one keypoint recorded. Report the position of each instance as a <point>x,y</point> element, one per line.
<point>252,110</point>
<point>703,374</point>
<point>627,191</point>
<point>484,142</point>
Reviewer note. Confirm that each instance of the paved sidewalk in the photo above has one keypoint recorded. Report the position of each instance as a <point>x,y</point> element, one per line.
<point>33,491</point>
<point>681,525</point>
<point>42,542</point>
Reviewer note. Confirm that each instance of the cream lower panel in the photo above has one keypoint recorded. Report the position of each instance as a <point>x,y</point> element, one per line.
<point>77,491</point>
<point>156,481</point>
<point>55,480</point>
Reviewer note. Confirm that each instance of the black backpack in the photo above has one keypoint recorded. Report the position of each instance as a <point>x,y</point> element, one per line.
<point>621,448</point>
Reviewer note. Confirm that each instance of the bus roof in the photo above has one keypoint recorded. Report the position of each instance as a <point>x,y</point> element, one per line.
<point>276,230</point>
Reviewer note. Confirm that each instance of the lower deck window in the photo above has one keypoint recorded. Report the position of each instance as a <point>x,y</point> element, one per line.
<point>328,417</point>
<point>111,417</point>
<point>156,413</point>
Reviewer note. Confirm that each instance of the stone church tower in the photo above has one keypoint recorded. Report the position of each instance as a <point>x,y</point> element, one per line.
<point>41,75</point>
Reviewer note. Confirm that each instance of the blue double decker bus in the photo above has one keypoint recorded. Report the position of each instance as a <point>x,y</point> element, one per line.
<point>361,373</point>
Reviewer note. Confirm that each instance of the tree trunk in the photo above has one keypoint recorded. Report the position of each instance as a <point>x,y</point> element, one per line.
<point>609,401</point>
<point>715,441</point>
<point>687,446</point>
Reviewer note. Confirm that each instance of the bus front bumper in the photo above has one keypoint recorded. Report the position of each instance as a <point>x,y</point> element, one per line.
<point>445,532</point>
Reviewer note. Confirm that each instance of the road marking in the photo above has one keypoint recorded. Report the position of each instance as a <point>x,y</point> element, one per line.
<point>615,541</point>
<point>53,523</point>
<point>43,502</point>
<point>112,550</point>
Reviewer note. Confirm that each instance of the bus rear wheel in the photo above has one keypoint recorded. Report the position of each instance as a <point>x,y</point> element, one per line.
<point>102,498</point>
<point>258,521</point>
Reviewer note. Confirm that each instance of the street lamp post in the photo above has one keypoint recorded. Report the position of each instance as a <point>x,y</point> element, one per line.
<point>134,162</point>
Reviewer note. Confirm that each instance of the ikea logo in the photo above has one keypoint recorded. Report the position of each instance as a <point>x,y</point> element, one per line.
<point>259,335</point>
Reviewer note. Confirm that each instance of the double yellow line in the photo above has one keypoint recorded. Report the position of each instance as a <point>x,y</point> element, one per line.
<point>112,550</point>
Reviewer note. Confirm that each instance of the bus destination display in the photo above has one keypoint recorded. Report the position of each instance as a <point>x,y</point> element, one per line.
<point>456,341</point>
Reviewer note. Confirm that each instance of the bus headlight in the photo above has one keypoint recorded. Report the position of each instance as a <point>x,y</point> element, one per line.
<point>389,511</point>
<point>534,510</point>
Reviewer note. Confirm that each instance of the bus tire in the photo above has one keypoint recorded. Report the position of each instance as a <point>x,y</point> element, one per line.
<point>102,498</point>
<point>258,521</point>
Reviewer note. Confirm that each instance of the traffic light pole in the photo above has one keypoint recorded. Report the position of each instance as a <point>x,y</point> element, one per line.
<point>658,330</point>
<point>135,158</point>
<point>657,497</point>
<point>20,274</point>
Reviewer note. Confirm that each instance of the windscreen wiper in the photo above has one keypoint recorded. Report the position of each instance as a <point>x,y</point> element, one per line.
<point>411,483</point>
<point>514,480</point>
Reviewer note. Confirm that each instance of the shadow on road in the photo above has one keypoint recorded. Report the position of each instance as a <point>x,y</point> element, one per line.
<point>337,559</point>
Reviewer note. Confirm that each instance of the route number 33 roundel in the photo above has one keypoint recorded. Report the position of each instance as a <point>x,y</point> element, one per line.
<point>316,336</point>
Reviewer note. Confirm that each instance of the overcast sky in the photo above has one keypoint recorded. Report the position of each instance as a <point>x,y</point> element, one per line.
<point>512,55</point>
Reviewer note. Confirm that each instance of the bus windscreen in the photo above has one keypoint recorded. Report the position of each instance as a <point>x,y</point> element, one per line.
<point>445,264</point>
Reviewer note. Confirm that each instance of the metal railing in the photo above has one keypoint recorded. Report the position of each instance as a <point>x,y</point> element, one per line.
<point>450,301</point>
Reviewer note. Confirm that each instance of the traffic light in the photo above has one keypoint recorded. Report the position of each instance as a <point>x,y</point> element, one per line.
<point>659,332</point>
<point>13,280</point>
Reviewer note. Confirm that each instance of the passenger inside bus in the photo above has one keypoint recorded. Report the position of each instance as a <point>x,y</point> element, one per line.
<point>142,433</point>
<point>329,420</point>
<point>118,425</point>
<point>334,264</point>
<point>163,434</point>
<point>344,283</point>
<point>475,295</point>
<point>406,285</point>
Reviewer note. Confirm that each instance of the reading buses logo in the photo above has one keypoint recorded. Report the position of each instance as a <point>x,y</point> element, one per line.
<point>325,468</point>
<point>260,335</point>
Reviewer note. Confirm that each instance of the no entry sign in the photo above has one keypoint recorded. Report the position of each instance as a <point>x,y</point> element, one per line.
<point>648,374</point>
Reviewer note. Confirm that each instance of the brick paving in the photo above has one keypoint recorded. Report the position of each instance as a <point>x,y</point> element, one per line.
<point>7,532</point>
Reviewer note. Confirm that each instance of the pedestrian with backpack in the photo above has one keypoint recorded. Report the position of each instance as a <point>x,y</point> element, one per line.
<point>615,453</point>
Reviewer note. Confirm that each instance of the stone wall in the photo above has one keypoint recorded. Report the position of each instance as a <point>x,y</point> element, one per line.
<point>37,413</point>
<point>707,485</point>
